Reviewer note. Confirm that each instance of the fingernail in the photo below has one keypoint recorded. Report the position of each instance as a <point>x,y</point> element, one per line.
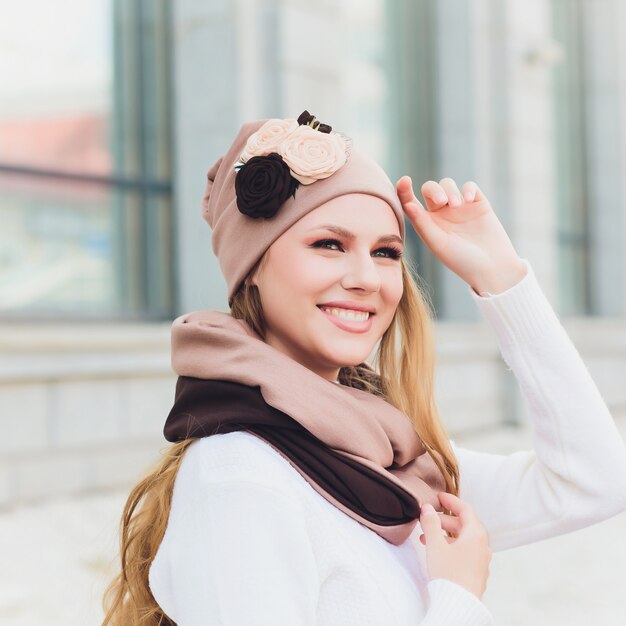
<point>455,200</point>
<point>428,509</point>
<point>468,195</point>
<point>440,197</point>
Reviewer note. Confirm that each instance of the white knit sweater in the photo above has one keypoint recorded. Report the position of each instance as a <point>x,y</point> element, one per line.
<point>249,542</point>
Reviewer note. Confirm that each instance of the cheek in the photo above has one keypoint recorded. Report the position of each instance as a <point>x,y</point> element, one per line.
<point>306,274</point>
<point>303,274</point>
<point>298,275</point>
<point>393,287</point>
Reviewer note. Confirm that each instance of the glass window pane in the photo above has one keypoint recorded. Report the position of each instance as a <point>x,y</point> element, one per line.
<point>82,249</point>
<point>55,92</point>
<point>85,193</point>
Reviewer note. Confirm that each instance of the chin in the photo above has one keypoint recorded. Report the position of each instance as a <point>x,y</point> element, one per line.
<point>336,357</point>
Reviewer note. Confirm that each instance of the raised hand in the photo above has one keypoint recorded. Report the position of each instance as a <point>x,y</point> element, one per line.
<point>463,232</point>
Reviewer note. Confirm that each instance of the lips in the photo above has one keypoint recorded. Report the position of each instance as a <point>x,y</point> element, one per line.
<point>352,326</point>
<point>349,306</point>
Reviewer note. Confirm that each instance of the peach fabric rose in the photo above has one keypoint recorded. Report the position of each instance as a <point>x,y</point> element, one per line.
<point>268,138</point>
<point>312,155</point>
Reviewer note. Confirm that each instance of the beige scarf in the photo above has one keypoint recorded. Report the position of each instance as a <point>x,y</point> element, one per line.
<point>358,451</point>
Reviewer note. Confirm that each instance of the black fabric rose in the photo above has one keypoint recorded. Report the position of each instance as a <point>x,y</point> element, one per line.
<point>262,184</point>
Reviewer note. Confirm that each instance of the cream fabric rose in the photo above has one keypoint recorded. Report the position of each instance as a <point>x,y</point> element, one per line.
<point>268,138</point>
<point>312,155</point>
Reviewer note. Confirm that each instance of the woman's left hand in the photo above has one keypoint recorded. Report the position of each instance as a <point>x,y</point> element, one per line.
<point>463,232</point>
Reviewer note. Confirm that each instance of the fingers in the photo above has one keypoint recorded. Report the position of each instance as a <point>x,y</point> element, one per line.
<point>434,195</point>
<point>464,525</point>
<point>452,191</point>
<point>405,190</point>
<point>470,524</point>
<point>451,529</point>
<point>446,192</point>
<point>461,509</point>
<point>449,523</point>
<point>429,521</point>
<point>448,539</point>
<point>434,237</point>
<point>469,191</point>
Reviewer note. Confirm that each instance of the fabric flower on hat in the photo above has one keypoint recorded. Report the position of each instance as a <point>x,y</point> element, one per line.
<point>267,138</point>
<point>262,184</point>
<point>312,155</point>
<point>297,151</point>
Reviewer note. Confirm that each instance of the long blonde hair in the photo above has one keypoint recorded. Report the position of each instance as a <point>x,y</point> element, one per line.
<point>403,375</point>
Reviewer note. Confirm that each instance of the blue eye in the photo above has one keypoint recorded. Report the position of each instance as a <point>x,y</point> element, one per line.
<point>393,253</point>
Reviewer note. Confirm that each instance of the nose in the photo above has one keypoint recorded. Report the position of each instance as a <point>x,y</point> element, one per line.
<point>362,273</point>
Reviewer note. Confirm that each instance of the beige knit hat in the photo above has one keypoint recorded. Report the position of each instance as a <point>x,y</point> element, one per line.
<point>274,173</point>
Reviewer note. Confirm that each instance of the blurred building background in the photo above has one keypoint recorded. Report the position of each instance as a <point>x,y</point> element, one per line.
<point>112,111</point>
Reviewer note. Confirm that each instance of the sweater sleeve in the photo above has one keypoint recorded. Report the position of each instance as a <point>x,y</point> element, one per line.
<point>575,474</point>
<point>453,605</point>
<point>240,554</point>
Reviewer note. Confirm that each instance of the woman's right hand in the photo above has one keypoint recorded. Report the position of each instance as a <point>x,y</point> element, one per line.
<point>463,558</point>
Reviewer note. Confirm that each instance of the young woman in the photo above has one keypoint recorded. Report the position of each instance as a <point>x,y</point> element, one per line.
<point>306,487</point>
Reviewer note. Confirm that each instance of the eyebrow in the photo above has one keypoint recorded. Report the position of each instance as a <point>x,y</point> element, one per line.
<point>350,236</point>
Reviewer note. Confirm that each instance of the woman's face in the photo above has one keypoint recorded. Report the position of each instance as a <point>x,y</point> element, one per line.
<point>341,254</point>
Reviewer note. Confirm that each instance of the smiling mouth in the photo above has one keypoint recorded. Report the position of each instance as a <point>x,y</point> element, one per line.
<point>345,321</point>
<point>348,315</point>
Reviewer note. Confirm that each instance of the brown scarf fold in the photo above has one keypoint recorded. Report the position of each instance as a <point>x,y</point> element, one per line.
<point>354,448</point>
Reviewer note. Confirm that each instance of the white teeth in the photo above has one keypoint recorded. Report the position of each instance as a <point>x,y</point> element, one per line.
<point>347,314</point>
